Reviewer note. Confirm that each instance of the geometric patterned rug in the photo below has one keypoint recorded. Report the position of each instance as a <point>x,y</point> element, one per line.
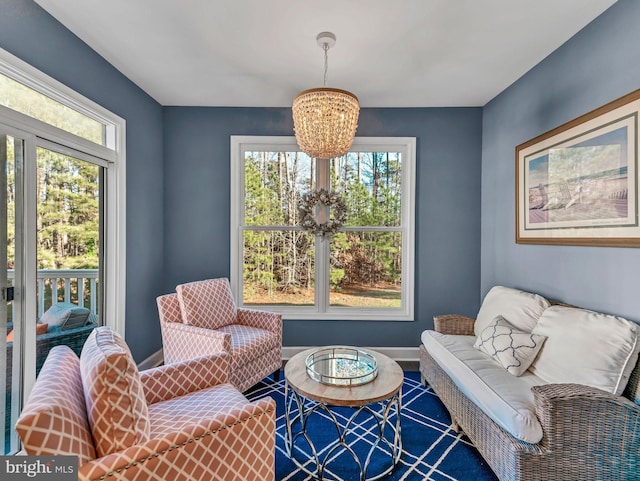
<point>431,450</point>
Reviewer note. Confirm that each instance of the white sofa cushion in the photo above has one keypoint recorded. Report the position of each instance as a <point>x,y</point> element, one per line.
<point>506,399</point>
<point>586,347</point>
<point>515,350</point>
<point>521,309</point>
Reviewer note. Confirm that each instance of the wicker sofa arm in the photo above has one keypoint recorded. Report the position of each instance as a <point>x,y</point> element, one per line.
<point>182,342</point>
<point>588,420</point>
<point>205,447</point>
<point>269,321</point>
<point>454,324</point>
<point>180,378</point>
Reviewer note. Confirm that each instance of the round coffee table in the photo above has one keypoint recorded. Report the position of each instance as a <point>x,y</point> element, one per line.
<point>381,399</point>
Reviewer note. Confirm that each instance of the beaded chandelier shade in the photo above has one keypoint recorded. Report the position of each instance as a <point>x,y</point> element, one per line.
<point>325,119</point>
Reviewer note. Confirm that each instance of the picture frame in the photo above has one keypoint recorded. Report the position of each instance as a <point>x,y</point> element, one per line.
<point>578,183</point>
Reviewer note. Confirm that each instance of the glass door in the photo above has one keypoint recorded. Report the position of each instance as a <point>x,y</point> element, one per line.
<point>69,239</point>
<point>12,154</point>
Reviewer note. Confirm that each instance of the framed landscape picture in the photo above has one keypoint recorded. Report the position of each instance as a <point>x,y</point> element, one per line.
<point>578,183</point>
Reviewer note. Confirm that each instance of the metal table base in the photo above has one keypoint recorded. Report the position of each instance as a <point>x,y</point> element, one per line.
<point>298,410</point>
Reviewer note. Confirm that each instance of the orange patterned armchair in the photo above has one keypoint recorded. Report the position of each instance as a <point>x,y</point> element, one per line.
<point>179,422</point>
<point>201,318</point>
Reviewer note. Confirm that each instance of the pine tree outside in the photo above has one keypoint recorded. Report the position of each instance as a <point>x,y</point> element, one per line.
<point>365,255</point>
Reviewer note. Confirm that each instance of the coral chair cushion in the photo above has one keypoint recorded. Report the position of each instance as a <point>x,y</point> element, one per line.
<point>116,406</point>
<point>176,413</point>
<point>57,428</point>
<point>207,303</point>
<point>249,343</point>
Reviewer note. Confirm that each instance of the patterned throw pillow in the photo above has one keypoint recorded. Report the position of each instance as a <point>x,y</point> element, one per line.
<point>207,303</point>
<point>515,350</point>
<point>116,405</point>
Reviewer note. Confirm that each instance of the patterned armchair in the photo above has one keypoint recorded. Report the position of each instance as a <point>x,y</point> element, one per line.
<point>201,318</point>
<point>180,422</point>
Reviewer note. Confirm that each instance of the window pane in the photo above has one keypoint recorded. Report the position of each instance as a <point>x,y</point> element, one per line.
<point>370,183</point>
<point>366,269</point>
<point>273,184</point>
<point>68,257</point>
<point>25,100</point>
<point>279,268</point>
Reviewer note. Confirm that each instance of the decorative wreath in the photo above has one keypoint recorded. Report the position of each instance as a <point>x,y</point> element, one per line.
<point>307,207</point>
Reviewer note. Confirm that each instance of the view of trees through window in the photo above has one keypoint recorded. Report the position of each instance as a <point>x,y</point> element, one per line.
<point>25,100</point>
<point>67,222</point>
<point>365,268</point>
<point>68,191</point>
<point>68,198</point>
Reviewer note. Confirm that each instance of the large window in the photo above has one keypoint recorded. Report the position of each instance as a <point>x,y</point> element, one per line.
<point>62,227</point>
<point>363,271</point>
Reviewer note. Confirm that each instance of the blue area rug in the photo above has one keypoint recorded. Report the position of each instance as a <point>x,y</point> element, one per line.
<point>431,450</point>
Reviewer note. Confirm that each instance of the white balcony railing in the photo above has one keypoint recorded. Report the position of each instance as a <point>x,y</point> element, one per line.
<point>79,286</point>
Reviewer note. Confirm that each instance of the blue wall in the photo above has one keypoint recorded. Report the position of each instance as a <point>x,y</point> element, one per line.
<point>31,34</point>
<point>599,64</point>
<point>197,192</point>
<point>178,181</point>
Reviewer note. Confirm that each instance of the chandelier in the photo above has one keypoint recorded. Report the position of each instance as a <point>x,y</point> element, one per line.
<point>325,119</point>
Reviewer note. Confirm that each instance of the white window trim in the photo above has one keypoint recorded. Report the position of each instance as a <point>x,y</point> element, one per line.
<point>113,154</point>
<point>407,147</point>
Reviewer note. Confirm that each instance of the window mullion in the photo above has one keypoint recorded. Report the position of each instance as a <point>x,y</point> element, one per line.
<point>322,274</point>
<point>323,181</point>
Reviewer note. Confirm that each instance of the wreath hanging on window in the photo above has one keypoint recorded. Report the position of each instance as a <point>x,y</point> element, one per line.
<point>307,208</point>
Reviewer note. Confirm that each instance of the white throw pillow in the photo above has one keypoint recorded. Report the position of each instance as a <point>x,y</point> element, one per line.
<point>523,309</point>
<point>586,347</point>
<point>515,350</point>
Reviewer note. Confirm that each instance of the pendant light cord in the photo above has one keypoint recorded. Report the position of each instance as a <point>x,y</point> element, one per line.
<point>325,47</point>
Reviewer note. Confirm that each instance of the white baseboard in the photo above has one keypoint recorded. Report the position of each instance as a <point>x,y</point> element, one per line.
<point>395,353</point>
<point>154,360</point>
<point>410,354</point>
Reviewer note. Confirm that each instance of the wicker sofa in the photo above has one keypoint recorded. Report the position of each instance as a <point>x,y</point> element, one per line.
<point>586,432</point>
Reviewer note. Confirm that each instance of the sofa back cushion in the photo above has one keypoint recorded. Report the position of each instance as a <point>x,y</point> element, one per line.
<point>54,420</point>
<point>116,405</point>
<point>521,309</point>
<point>586,347</point>
<point>207,303</point>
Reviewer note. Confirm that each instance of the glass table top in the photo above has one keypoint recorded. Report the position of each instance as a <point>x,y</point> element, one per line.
<point>342,366</point>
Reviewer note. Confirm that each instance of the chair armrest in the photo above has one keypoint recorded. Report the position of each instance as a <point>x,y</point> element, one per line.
<point>180,378</point>
<point>269,321</point>
<point>454,324</point>
<point>212,442</point>
<point>181,342</point>
<point>584,419</point>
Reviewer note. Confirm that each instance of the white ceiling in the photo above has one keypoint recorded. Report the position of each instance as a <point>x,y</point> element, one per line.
<point>261,53</point>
